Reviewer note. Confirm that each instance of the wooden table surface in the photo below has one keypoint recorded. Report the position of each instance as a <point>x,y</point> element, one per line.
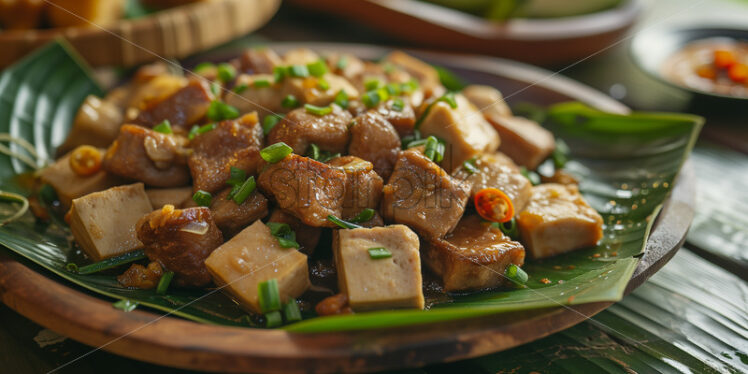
<point>690,317</point>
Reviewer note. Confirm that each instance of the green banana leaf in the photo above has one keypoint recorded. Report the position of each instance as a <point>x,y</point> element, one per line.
<point>626,163</point>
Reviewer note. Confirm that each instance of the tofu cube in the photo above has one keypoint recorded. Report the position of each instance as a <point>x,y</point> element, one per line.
<point>103,223</point>
<point>524,140</point>
<point>70,185</point>
<point>558,220</point>
<point>254,256</point>
<point>385,283</point>
<point>488,100</point>
<point>96,124</point>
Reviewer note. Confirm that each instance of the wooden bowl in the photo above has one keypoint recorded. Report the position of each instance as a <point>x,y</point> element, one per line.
<point>166,340</point>
<point>172,33</point>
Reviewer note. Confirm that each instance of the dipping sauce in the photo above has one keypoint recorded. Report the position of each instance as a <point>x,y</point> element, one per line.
<point>718,65</point>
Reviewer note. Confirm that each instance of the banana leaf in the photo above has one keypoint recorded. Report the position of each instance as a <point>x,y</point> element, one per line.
<point>626,164</point>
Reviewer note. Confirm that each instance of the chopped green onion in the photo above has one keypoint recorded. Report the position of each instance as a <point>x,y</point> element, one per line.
<point>226,72</point>
<point>469,166</point>
<point>163,283</point>
<point>531,175</point>
<point>126,305</point>
<point>109,263</point>
<point>269,296</point>
<point>398,105</point>
<point>237,176</point>
<point>318,110</point>
<point>276,152</point>
<point>299,71</point>
<point>393,89</point>
<point>279,73</point>
<point>273,319</point>
<point>239,88</point>
<point>199,130</point>
<point>371,84</point>
<point>323,84</point>
<point>509,228</point>
<point>291,311</point>
<point>327,156</point>
<point>416,143</point>
<point>434,149</point>
<point>317,68</point>
<point>285,235</point>
<point>388,67</point>
<point>258,83</point>
<point>379,253</point>
<point>343,224</point>
<point>290,101</point>
<point>365,215</point>
<point>515,274</point>
<point>449,98</point>
<point>203,66</point>
<point>314,152</point>
<point>245,190</point>
<point>219,111</point>
<point>341,98</point>
<point>215,89</point>
<point>371,98</point>
<point>269,122</point>
<point>409,87</point>
<point>407,139</point>
<point>164,127</point>
<point>202,198</point>
<point>342,62</point>
<point>560,154</point>
<point>193,132</point>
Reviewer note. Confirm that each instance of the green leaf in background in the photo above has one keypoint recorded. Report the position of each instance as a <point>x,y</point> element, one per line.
<point>626,169</point>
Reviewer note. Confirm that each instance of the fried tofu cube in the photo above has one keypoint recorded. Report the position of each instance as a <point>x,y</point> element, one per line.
<point>70,185</point>
<point>254,256</point>
<point>385,283</point>
<point>169,196</point>
<point>488,100</point>
<point>463,128</point>
<point>496,170</point>
<point>524,140</point>
<point>473,257</point>
<point>96,124</point>
<point>423,196</point>
<point>103,223</point>
<point>558,220</point>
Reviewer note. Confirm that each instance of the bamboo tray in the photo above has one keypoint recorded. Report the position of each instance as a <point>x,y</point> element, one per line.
<point>172,33</point>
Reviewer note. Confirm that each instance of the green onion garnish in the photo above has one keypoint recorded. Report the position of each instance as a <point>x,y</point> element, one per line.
<point>449,98</point>
<point>108,263</point>
<point>323,84</point>
<point>509,228</point>
<point>408,139</point>
<point>434,149</point>
<point>269,122</point>
<point>199,130</point>
<point>416,143</point>
<point>317,68</point>
<point>515,274</point>
<point>276,152</point>
<point>560,154</point>
<point>226,72</point>
<point>388,67</point>
<point>343,224</point>
<point>398,105</point>
<point>193,132</point>
<point>531,175</point>
<point>409,87</point>
<point>239,88</point>
<point>164,127</point>
<point>215,89</point>
<point>379,253</point>
<point>364,216</point>
<point>291,311</point>
<point>299,71</point>
<point>163,283</point>
<point>237,176</point>
<point>371,84</point>
<point>372,98</point>
<point>245,190</point>
<point>202,198</point>
<point>393,89</point>
<point>342,62</point>
<point>318,110</point>
<point>269,296</point>
<point>125,305</point>
<point>314,152</point>
<point>219,111</point>
<point>290,101</point>
<point>273,319</point>
<point>279,73</point>
<point>469,166</point>
<point>341,99</point>
<point>201,67</point>
<point>259,83</point>
<point>285,235</point>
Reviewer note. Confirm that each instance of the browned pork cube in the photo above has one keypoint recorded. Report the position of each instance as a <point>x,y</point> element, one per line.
<point>375,140</point>
<point>488,100</point>
<point>103,223</point>
<point>299,129</point>
<point>381,283</point>
<point>234,143</point>
<point>145,155</point>
<point>96,124</point>
<point>308,189</point>
<point>178,196</point>
<point>363,186</point>
<point>465,131</point>
<point>254,256</point>
<point>231,217</point>
<point>524,140</point>
<point>69,185</point>
<point>183,108</point>
<point>180,240</point>
<point>473,257</point>
<point>496,170</point>
<point>426,74</point>
<point>558,220</point>
<point>404,120</point>
<point>423,196</point>
<point>346,65</point>
<point>306,236</point>
<point>259,61</point>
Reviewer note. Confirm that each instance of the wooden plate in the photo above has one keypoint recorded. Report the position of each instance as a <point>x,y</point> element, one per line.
<point>172,33</point>
<point>538,41</point>
<point>175,342</point>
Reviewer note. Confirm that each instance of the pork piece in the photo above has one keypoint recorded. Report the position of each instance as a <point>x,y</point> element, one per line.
<point>96,124</point>
<point>524,140</point>
<point>423,196</point>
<point>259,61</point>
<point>69,185</point>
<point>305,188</point>
<point>234,143</point>
<point>180,240</point>
<point>299,129</point>
<point>363,186</point>
<point>473,257</point>
<point>426,75</point>
<point>375,140</point>
<point>254,256</point>
<point>558,220</point>
<point>496,170</point>
<point>383,283</point>
<point>306,236</point>
<point>463,128</point>
<point>402,120</point>
<point>488,100</point>
<point>345,65</point>
<point>183,108</point>
<point>142,277</point>
<point>308,91</point>
<point>231,217</point>
<point>559,176</point>
<point>177,196</point>
<point>147,90</point>
<point>103,223</point>
<point>145,155</point>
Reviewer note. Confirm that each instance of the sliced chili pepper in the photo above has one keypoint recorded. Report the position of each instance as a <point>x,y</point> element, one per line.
<point>723,59</point>
<point>738,73</point>
<point>494,205</point>
<point>85,160</point>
